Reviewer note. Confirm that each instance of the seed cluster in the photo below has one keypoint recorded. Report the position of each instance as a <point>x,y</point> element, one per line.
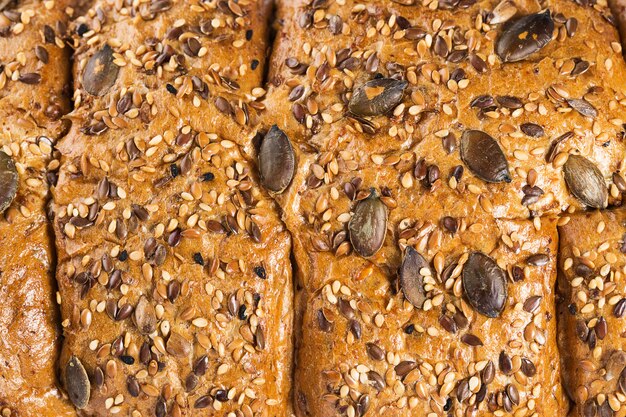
<point>174,272</point>
<point>34,70</point>
<point>592,259</point>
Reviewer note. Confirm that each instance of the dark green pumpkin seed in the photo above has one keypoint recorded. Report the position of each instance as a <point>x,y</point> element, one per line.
<point>8,181</point>
<point>483,156</point>
<point>585,181</point>
<point>484,284</point>
<point>377,97</point>
<point>525,36</point>
<point>368,225</point>
<point>77,383</point>
<point>100,73</point>
<point>277,160</point>
<point>411,280</point>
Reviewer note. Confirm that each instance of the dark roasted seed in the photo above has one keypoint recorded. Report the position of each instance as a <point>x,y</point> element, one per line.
<point>484,284</point>
<point>276,160</point>
<point>585,181</point>
<point>471,340</point>
<point>368,225</point>
<point>483,156</point>
<point>8,181</point>
<point>100,72</point>
<point>525,36</point>
<point>375,352</point>
<point>377,97</point>
<point>410,276</point>
<point>77,383</point>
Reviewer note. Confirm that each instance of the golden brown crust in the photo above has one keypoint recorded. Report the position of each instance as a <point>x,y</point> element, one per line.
<point>411,156</point>
<point>399,41</point>
<point>333,365</point>
<point>591,289</point>
<point>32,101</point>
<point>173,265</point>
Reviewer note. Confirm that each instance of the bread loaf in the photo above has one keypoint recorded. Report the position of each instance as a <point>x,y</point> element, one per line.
<point>452,130</point>
<point>33,83</point>
<point>173,265</point>
<point>591,306</point>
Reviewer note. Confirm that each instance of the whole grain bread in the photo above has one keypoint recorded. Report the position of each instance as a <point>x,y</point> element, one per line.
<point>173,265</point>
<point>33,86</point>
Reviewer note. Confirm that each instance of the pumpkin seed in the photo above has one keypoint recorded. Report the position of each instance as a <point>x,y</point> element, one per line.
<point>585,181</point>
<point>368,225</point>
<point>525,36</point>
<point>145,316</point>
<point>277,160</point>
<point>100,73</point>
<point>583,107</point>
<point>411,281</point>
<point>8,181</point>
<point>77,383</point>
<point>484,284</point>
<point>377,97</point>
<point>483,156</point>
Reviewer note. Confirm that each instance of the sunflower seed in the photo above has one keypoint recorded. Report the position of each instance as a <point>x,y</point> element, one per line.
<point>411,280</point>
<point>100,73</point>
<point>145,316</point>
<point>525,36</point>
<point>277,160</point>
<point>178,346</point>
<point>484,284</point>
<point>483,156</point>
<point>368,225</point>
<point>377,97</point>
<point>77,383</point>
<point>583,107</point>
<point>505,10</point>
<point>585,181</point>
<point>8,181</point>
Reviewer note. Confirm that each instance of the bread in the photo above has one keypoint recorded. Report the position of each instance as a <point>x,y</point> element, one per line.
<point>445,99</point>
<point>173,265</point>
<point>591,293</point>
<point>421,124</point>
<point>33,82</point>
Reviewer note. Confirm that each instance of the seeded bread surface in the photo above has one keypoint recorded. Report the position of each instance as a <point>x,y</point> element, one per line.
<point>552,115</point>
<point>591,306</point>
<point>173,265</point>
<point>34,78</point>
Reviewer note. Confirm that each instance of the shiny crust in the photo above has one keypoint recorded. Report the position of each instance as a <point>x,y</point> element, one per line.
<point>326,359</point>
<point>591,284</point>
<point>402,156</point>
<point>30,118</point>
<point>434,106</point>
<point>165,195</point>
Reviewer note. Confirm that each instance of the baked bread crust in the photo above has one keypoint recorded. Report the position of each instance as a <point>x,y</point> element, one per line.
<point>312,84</point>
<point>173,265</point>
<point>541,113</point>
<point>33,83</point>
<point>591,292</point>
